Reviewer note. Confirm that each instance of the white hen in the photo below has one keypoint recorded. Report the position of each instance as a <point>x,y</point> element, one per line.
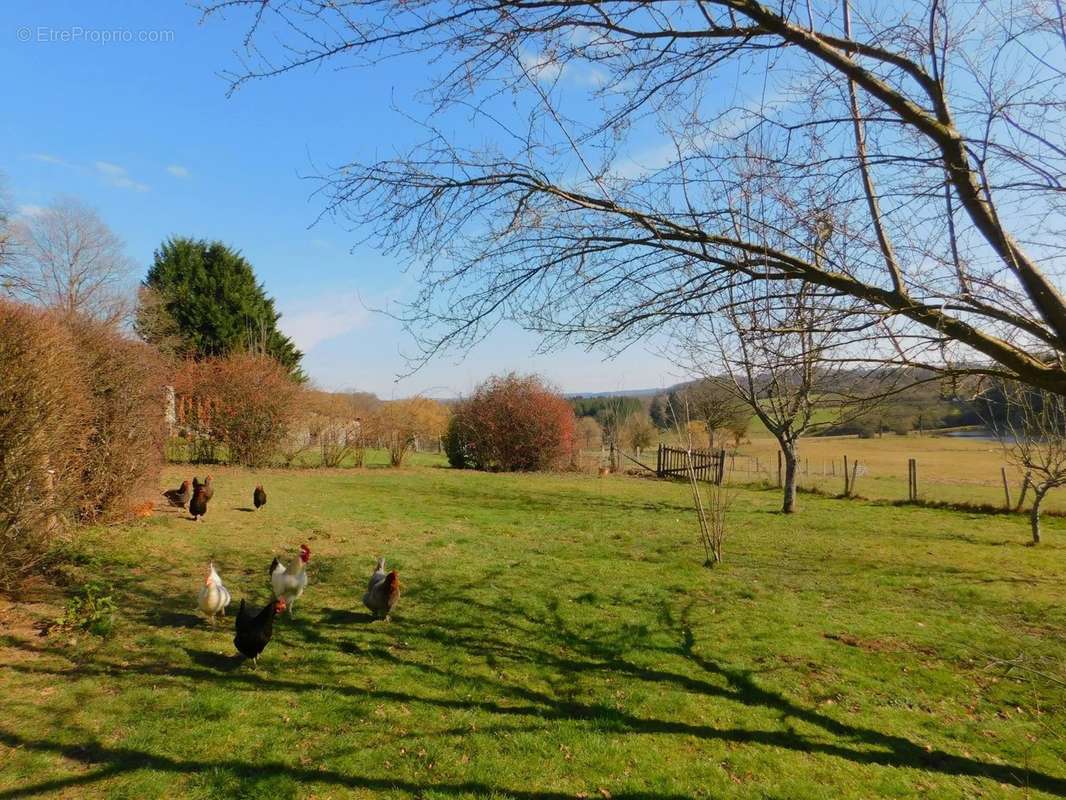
<point>214,596</point>
<point>288,582</point>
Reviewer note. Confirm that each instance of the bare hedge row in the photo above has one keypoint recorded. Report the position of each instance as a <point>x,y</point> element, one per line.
<point>81,429</point>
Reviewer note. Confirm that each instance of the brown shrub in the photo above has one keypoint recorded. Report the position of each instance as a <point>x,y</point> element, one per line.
<point>243,402</point>
<point>81,418</point>
<point>43,415</point>
<point>516,423</point>
<point>126,390</point>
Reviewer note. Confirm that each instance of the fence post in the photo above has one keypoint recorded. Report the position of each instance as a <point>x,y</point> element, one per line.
<point>847,487</point>
<point>854,476</point>
<point>780,480</point>
<point>1006,486</point>
<point>912,480</point>
<point>659,461</point>
<point>721,467</point>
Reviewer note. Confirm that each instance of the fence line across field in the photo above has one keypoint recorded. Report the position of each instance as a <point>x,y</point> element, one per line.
<point>706,465</point>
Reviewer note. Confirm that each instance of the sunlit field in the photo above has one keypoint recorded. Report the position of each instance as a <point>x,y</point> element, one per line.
<point>557,637</point>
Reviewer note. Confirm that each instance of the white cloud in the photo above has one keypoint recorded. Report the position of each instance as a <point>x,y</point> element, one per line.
<point>178,171</point>
<point>329,316</point>
<point>108,168</point>
<point>118,176</point>
<point>29,210</point>
<point>48,158</point>
<point>541,66</point>
<point>645,161</point>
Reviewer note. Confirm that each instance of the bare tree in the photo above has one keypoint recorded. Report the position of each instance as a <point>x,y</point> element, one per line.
<point>788,356</point>
<point>7,250</point>
<point>714,402</point>
<point>931,130</point>
<point>1031,425</point>
<point>70,260</point>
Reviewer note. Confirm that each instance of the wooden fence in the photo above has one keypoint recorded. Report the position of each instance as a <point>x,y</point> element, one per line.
<point>707,465</point>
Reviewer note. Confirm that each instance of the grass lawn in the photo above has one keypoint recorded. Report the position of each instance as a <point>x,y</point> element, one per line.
<point>557,638</point>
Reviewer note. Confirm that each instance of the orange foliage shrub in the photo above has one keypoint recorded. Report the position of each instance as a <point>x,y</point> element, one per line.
<point>514,423</point>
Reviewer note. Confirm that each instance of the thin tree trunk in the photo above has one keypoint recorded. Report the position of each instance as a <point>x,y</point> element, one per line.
<point>1034,513</point>
<point>788,503</point>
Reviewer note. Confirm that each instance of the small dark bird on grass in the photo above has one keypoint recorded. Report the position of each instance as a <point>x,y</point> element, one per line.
<point>179,498</point>
<point>253,632</point>
<point>198,504</point>
<point>207,486</point>
<point>259,497</point>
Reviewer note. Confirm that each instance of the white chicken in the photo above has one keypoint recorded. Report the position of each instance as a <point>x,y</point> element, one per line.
<point>214,596</point>
<point>288,582</point>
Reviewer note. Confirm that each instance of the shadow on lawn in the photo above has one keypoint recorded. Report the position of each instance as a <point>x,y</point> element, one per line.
<point>506,635</point>
<point>114,761</point>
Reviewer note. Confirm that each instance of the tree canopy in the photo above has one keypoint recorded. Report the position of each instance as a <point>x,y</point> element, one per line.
<point>637,162</point>
<point>207,302</point>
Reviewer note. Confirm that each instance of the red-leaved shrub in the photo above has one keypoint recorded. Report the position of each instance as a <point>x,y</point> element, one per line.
<point>512,423</point>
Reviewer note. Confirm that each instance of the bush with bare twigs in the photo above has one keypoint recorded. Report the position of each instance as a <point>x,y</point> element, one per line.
<point>81,418</point>
<point>126,391</point>
<point>399,424</point>
<point>339,425</point>
<point>244,403</point>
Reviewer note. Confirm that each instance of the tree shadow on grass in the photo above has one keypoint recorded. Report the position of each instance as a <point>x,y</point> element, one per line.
<point>176,619</point>
<point>494,642</point>
<point>114,761</point>
<point>344,616</point>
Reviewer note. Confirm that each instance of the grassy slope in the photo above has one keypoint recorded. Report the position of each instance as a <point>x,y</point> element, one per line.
<point>556,636</point>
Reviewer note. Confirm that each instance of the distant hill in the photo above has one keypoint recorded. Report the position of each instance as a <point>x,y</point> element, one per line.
<point>618,393</point>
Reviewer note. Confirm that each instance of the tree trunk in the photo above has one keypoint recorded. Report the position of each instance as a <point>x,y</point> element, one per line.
<point>788,504</point>
<point>1034,513</point>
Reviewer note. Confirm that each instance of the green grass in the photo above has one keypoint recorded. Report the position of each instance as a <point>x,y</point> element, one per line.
<point>557,636</point>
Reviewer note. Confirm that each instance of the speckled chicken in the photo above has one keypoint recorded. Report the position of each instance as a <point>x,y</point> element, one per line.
<point>179,498</point>
<point>382,591</point>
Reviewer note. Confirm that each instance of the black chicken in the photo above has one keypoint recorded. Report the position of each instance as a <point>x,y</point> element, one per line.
<point>259,497</point>
<point>254,632</point>
<point>198,504</point>
<point>179,497</point>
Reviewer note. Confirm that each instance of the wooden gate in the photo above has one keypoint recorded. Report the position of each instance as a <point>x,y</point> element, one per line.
<point>708,465</point>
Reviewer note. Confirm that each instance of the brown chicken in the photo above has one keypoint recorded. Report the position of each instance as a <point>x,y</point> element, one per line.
<point>198,504</point>
<point>259,497</point>
<point>179,498</point>
<point>209,489</point>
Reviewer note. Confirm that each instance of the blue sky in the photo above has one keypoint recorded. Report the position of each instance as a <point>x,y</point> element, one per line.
<point>143,131</point>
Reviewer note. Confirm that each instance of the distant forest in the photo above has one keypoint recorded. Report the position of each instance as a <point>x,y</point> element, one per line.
<point>926,405</point>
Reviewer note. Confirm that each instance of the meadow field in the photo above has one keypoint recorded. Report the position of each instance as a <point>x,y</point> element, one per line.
<point>951,469</point>
<point>557,637</point>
